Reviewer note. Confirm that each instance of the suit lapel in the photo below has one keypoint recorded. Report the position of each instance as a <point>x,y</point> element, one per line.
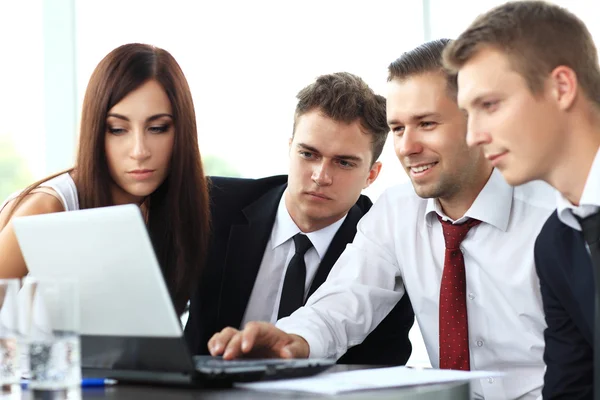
<point>579,273</point>
<point>245,249</point>
<point>343,236</point>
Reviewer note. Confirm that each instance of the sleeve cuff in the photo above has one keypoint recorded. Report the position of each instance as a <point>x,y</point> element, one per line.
<point>316,347</point>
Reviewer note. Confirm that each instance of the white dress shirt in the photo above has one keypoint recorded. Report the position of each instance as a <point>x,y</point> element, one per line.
<point>590,199</point>
<point>399,245</point>
<point>266,293</point>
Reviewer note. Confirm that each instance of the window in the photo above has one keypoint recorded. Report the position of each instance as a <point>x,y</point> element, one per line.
<point>22,133</point>
<point>245,62</point>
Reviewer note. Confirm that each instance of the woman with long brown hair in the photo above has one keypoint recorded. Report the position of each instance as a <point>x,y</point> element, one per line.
<point>138,144</point>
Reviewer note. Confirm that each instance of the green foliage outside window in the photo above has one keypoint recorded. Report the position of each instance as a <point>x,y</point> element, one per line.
<point>216,166</point>
<point>14,172</point>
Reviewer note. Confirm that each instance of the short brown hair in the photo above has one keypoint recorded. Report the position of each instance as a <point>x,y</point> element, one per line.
<point>345,97</point>
<point>422,59</point>
<point>537,37</point>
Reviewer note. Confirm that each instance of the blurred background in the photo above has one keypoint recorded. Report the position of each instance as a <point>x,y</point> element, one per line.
<point>244,60</point>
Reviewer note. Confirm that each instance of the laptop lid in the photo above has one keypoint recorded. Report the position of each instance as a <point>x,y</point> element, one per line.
<point>108,250</point>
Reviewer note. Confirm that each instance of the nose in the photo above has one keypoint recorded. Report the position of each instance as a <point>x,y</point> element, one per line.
<point>322,175</point>
<point>407,144</point>
<point>476,134</point>
<point>140,150</point>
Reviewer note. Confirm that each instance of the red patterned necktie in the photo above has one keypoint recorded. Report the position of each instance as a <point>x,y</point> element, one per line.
<point>454,328</point>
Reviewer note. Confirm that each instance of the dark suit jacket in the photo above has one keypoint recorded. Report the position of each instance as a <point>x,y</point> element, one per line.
<point>243,213</point>
<point>567,284</point>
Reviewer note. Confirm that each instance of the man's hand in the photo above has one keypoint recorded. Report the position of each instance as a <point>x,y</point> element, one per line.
<point>257,340</point>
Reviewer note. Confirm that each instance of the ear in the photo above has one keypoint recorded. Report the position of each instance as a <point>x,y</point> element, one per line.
<point>290,144</point>
<point>564,86</point>
<point>373,174</point>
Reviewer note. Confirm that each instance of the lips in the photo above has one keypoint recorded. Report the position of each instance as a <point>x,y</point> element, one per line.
<point>141,174</point>
<point>421,167</point>
<point>496,158</point>
<point>318,195</point>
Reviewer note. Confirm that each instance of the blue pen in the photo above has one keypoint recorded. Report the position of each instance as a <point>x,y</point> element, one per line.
<point>97,382</point>
<point>85,382</point>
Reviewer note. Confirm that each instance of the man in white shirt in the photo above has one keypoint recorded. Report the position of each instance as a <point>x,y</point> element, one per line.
<point>400,247</point>
<point>529,78</point>
<point>274,240</point>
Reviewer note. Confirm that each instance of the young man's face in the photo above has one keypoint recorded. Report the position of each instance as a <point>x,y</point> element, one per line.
<point>518,131</point>
<point>330,164</point>
<point>429,137</point>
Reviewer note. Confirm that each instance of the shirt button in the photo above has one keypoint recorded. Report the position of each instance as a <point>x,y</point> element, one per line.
<point>471,296</point>
<point>480,343</point>
<point>490,380</point>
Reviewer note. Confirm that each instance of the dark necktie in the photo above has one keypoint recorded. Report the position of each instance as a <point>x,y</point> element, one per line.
<point>454,327</point>
<point>292,295</point>
<point>591,233</point>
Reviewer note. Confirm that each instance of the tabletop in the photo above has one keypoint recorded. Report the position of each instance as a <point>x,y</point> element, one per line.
<point>453,391</point>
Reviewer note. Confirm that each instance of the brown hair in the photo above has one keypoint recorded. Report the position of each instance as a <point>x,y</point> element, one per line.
<point>345,97</point>
<point>422,59</point>
<point>536,37</point>
<point>178,210</point>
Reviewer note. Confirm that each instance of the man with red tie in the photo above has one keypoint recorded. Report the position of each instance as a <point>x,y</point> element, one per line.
<point>459,241</point>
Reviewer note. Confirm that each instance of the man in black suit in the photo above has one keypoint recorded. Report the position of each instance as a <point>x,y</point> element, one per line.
<point>529,79</point>
<point>252,274</point>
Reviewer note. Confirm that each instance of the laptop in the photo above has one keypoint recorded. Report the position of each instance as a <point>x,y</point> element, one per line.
<point>129,328</point>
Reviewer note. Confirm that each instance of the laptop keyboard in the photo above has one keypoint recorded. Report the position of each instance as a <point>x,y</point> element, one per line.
<point>253,369</point>
<point>218,362</point>
<point>218,365</point>
<point>242,363</point>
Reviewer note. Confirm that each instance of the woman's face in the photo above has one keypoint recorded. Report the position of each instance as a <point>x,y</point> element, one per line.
<point>139,143</point>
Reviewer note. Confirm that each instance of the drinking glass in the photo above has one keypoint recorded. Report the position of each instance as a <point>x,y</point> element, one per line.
<point>50,308</point>
<point>10,372</point>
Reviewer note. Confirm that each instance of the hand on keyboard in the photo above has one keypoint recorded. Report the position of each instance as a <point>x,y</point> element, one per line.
<point>257,340</point>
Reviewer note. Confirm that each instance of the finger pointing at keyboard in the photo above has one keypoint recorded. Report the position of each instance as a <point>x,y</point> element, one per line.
<point>257,340</point>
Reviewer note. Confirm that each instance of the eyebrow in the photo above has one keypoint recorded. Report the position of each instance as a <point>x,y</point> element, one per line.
<point>474,102</point>
<point>416,117</point>
<point>149,119</point>
<point>479,99</point>
<point>338,156</point>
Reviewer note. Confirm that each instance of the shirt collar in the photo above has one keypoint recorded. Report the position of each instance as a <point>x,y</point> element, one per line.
<point>285,228</point>
<point>492,205</point>
<point>590,198</point>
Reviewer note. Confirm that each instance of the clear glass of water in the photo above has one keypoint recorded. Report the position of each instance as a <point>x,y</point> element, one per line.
<point>10,372</point>
<point>51,333</point>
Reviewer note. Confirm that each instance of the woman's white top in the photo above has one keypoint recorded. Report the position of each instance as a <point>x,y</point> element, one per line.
<point>65,189</point>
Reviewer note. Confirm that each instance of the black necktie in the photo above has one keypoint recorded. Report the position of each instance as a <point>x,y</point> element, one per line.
<point>591,233</point>
<point>292,295</point>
